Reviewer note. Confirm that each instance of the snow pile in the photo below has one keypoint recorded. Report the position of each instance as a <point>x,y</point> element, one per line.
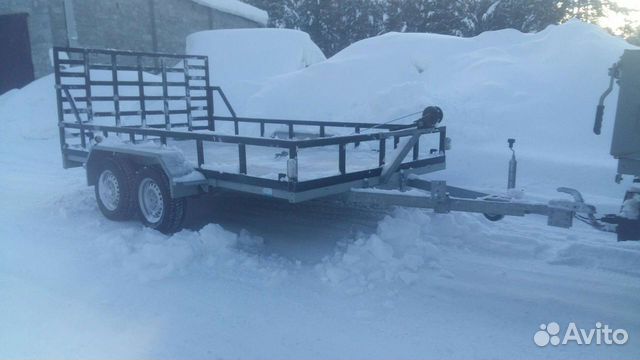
<point>238,8</point>
<point>597,256</point>
<point>37,116</point>
<point>398,253</point>
<point>147,256</point>
<point>540,88</point>
<point>412,246</point>
<point>240,60</point>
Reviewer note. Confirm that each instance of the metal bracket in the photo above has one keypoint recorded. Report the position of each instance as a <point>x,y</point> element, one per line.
<point>397,158</point>
<point>440,197</point>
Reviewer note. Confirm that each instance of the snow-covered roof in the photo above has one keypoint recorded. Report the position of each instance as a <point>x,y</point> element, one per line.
<point>239,8</point>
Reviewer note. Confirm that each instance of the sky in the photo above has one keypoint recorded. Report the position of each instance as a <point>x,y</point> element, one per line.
<point>615,21</point>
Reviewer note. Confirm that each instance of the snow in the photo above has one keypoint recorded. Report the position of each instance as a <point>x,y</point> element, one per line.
<point>499,85</point>
<point>631,207</point>
<point>256,278</point>
<point>241,60</point>
<point>490,10</point>
<point>239,8</point>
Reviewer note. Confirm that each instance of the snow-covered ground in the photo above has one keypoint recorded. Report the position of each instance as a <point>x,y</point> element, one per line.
<point>261,279</point>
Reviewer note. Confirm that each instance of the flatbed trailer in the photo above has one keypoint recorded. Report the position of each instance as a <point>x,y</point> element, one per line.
<point>132,119</point>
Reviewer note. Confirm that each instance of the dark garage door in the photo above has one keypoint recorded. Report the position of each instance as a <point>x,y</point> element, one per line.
<point>16,68</point>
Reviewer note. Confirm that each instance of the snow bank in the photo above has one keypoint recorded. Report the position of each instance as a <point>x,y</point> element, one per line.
<point>148,257</point>
<point>253,54</point>
<point>540,88</point>
<point>37,115</point>
<point>412,246</point>
<point>239,8</point>
<point>397,253</point>
<point>240,60</point>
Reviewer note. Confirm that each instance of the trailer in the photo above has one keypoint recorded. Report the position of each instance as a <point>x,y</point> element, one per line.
<point>149,132</point>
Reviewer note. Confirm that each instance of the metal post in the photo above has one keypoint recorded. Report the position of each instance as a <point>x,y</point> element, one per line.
<point>292,166</point>
<point>116,98</point>
<point>242,153</point>
<point>443,140</point>
<point>513,166</point>
<point>383,150</point>
<point>200,151</point>
<point>342,158</point>
<point>143,109</point>
<point>209,92</point>
<point>87,85</point>
<point>187,94</point>
<point>210,121</point>
<point>61,129</point>
<point>165,94</point>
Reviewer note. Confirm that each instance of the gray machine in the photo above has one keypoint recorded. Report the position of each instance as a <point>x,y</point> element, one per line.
<point>625,145</point>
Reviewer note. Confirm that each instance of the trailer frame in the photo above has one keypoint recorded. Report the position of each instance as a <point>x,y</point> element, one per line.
<point>87,136</point>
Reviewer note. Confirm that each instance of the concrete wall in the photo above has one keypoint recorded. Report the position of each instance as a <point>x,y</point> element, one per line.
<point>39,30</point>
<point>142,25</point>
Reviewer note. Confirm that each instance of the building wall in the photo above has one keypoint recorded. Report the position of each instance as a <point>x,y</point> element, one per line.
<point>142,25</point>
<point>124,24</point>
<point>39,30</point>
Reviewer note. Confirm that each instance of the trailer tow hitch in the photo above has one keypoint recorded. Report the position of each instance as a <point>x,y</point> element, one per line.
<point>559,213</point>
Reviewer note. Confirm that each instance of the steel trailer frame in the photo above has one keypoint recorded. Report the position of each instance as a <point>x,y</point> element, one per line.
<point>75,86</point>
<point>291,190</point>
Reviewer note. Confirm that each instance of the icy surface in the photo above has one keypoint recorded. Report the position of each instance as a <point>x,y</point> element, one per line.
<point>254,278</point>
<point>239,8</point>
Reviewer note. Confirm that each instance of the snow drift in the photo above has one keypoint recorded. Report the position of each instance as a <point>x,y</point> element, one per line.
<point>539,88</point>
<point>240,60</point>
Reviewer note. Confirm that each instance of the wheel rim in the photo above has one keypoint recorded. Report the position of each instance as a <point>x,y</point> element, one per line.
<point>150,200</point>
<point>109,190</point>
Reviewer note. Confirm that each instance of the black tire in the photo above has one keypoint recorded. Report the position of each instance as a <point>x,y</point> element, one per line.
<point>119,174</point>
<point>169,219</point>
<point>493,217</point>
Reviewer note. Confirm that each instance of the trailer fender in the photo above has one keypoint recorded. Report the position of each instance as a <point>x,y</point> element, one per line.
<point>183,178</point>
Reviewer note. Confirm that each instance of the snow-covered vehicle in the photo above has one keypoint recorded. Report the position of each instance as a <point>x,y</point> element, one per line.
<point>150,141</point>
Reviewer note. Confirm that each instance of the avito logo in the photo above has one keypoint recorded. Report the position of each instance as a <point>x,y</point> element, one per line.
<point>601,334</point>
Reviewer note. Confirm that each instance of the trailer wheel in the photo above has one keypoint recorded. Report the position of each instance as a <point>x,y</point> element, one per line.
<point>493,217</point>
<point>156,208</point>
<point>113,189</point>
